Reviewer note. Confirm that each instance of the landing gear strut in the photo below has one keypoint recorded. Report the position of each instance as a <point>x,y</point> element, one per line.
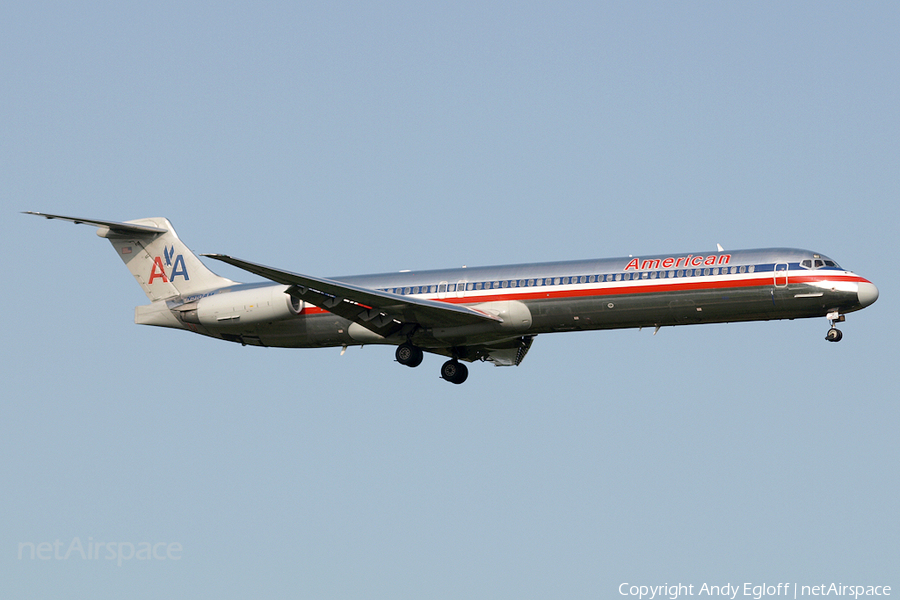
<point>454,371</point>
<point>834,334</point>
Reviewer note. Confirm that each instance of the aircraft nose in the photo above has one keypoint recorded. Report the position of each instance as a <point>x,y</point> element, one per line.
<point>867,293</point>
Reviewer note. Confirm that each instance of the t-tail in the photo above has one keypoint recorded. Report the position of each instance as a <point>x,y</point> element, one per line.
<point>160,262</point>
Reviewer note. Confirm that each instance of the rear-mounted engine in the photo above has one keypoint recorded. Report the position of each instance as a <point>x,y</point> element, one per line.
<point>251,306</point>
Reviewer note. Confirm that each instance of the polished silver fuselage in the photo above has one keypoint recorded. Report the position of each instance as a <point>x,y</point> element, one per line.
<point>646,291</point>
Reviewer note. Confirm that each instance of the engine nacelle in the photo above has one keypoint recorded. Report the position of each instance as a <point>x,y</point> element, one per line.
<point>251,306</point>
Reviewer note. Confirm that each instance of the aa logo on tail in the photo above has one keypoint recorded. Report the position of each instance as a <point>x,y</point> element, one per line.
<point>176,263</point>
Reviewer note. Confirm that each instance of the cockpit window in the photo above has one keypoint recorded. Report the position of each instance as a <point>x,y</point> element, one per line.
<point>818,263</point>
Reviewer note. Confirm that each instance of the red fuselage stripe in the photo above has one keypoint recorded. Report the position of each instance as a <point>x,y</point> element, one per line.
<point>612,289</point>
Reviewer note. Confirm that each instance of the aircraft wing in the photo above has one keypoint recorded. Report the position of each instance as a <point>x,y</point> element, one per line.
<point>381,312</point>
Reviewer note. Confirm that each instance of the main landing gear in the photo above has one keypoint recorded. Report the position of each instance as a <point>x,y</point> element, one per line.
<point>834,334</point>
<point>411,356</point>
<point>454,371</point>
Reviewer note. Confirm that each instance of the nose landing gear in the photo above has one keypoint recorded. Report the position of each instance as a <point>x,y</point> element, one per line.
<point>834,334</point>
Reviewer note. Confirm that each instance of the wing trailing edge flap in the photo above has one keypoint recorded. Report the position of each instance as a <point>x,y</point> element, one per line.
<point>510,356</point>
<point>503,354</point>
<point>377,311</point>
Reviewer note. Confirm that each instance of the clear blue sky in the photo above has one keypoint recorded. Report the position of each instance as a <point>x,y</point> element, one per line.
<point>366,137</point>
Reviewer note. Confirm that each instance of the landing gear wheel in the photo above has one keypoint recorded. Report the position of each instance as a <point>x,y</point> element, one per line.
<point>409,355</point>
<point>454,371</point>
<point>834,335</point>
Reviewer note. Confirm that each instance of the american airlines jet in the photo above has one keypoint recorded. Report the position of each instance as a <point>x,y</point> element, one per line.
<point>482,313</point>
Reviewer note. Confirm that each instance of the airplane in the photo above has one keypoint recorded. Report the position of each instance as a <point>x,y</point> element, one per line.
<point>475,314</point>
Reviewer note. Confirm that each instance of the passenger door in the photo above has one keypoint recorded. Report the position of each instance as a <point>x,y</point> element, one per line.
<point>781,275</point>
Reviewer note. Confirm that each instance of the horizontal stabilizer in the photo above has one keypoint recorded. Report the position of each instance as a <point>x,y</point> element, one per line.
<point>113,226</point>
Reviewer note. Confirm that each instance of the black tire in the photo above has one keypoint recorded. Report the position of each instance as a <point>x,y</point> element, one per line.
<point>834,335</point>
<point>454,371</point>
<point>409,355</point>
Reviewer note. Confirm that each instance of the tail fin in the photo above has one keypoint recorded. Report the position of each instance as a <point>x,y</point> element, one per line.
<point>160,262</point>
